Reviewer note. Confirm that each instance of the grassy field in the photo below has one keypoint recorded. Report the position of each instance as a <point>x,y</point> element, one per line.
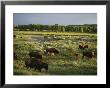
<point>65,63</point>
<point>52,33</point>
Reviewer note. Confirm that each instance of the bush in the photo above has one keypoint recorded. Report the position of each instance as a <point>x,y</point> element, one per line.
<point>19,64</point>
<point>22,50</point>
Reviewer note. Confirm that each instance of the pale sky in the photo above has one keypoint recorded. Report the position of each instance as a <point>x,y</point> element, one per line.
<point>55,18</point>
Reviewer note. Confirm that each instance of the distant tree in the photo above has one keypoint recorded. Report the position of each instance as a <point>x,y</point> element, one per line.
<point>57,28</point>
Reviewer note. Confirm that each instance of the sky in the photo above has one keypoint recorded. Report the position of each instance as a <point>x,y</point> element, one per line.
<point>55,18</point>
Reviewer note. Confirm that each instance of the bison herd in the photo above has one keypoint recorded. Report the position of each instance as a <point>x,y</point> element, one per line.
<point>88,54</point>
<point>36,57</point>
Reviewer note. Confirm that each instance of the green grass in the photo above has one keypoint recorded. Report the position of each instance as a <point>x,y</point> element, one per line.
<point>63,64</point>
<point>73,68</point>
<point>63,67</point>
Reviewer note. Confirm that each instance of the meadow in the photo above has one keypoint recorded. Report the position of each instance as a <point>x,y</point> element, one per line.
<point>65,63</point>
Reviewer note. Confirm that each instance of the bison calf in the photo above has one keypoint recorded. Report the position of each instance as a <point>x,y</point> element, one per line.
<point>86,46</point>
<point>87,54</point>
<point>83,47</point>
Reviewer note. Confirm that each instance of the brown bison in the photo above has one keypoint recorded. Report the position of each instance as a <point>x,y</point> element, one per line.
<point>15,55</point>
<point>86,46</point>
<point>14,36</point>
<point>88,54</point>
<point>38,64</point>
<point>83,47</point>
<point>76,56</point>
<point>52,51</point>
<point>35,54</point>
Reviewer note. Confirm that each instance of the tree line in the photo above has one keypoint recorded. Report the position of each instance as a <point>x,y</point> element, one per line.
<point>86,28</point>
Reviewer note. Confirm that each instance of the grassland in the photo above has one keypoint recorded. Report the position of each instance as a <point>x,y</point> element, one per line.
<point>65,63</point>
<point>52,33</point>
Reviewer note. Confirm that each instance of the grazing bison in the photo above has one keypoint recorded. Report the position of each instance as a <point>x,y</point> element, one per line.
<point>36,55</point>
<point>14,36</point>
<point>86,46</point>
<point>15,55</point>
<point>83,47</point>
<point>88,54</point>
<point>52,51</point>
<point>76,56</point>
<point>38,64</point>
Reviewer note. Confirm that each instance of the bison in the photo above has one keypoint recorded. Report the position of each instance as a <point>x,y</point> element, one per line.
<point>86,46</point>
<point>52,51</point>
<point>15,55</point>
<point>14,36</point>
<point>76,56</point>
<point>38,64</point>
<point>35,54</point>
<point>88,54</point>
<point>83,47</point>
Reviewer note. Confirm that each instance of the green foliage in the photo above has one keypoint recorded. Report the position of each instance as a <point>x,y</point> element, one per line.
<point>90,28</point>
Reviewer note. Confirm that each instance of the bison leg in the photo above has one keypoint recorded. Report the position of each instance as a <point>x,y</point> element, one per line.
<point>45,66</point>
<point>38,68</point>
<point>83,57</point>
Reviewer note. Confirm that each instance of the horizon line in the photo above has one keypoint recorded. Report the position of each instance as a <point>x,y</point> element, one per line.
<point>56,23</point>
